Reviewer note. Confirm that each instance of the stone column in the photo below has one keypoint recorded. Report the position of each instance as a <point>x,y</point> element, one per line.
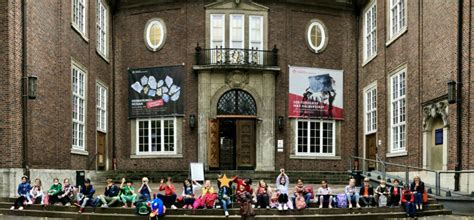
<point>445,147</point>
<point>266,128</point>
<point>204,105</point>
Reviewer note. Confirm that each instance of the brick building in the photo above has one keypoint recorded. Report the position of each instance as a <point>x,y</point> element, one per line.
<point>263,84</point>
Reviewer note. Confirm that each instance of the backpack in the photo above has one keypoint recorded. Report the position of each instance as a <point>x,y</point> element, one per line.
<point>142,209</point>
<point>300,203</point>
<point>382,201</point>
<point>341,200</point>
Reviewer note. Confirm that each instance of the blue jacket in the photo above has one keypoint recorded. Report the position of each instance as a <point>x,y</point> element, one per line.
<point>24,188</point>
<point>88,192</point>
<point>112,191</point>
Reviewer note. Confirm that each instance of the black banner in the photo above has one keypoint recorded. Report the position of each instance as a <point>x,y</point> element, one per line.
<point>155,91</point>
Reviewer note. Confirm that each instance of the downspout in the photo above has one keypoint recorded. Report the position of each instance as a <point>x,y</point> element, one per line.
<point>459,99</point>
<point>25,166</point>
<point>357,23</point>
<point>112,55</point>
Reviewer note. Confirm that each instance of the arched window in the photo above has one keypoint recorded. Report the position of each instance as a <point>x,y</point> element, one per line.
<point>236,102</point>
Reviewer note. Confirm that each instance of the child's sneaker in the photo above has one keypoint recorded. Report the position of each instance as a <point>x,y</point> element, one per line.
<point>268,207</point>
<point>104,206</point>
<point>330,206</point>
<point>12,208</point>
<point>280,207</point>
<point>21,208</point>
<point>285,207</point>
<point>81,210</point>
<point>350,205</point>
<point>125,206</point>
<point>226,214</point>
<point>174,207</point>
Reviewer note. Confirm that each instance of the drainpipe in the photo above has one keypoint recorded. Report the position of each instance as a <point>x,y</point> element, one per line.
<point>459,99</point>
<point>112,55</point>
<point>357,32</point>
<point>25,166</point>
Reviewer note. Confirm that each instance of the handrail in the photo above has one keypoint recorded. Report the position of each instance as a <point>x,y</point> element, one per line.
<point>438,178</point>
<point>236,56</point>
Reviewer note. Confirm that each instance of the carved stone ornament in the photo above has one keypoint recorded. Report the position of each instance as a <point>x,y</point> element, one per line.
<point>236,79</point>
<point>433,110</point>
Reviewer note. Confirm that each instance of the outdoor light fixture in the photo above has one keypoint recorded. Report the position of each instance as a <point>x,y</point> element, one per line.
<point>280,122</point>
<point>451,92</point>
<point>32,79</point>
<point>192,121</point>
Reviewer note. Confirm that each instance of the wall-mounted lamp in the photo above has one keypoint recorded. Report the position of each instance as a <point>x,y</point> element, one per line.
<point>451,92</point>
<point>32,79</point>
<point>280,122</point>
<point>192,121</point>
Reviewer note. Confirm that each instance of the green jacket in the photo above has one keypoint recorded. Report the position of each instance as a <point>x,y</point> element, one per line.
<point>128,191</point>
<point>55,189</point>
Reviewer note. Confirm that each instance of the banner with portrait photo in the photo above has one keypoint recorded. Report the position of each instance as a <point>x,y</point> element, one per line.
<point>315,93</point>
<point>155,91</point>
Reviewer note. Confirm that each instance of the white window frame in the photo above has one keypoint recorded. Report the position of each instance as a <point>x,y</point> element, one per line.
<point>396,29</point>
<point>160,22</point>
<point>82,30</point>
<point>150,152</point>
<point>101,107</point>
<point>76,68</point>
<point>251,41</point>
<point>231,30</point>
<point>398,120</point>
<point>370,109</point>
<point>102,25</point>
<point>316,23</point>
<point>370,32</point>
<point>213,16</point>
<point>308,153</point>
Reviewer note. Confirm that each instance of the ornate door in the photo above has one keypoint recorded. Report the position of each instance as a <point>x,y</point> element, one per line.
<point>101,150</point>
<point>213,145</point>
<point>371,150</point>
<point>245,143</point>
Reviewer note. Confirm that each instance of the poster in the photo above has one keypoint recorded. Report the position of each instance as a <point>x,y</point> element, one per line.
<point>315,93</point>
<point>155,91</point>
<point>197,171</point>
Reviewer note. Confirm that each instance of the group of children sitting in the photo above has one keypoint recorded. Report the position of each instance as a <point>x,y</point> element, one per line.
<point>146,203</point>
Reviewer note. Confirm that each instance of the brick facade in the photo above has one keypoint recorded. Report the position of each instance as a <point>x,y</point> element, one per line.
<point>427,48</point>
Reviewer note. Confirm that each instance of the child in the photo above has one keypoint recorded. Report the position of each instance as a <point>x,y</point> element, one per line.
<point>110,195</point>
<point>24,192</point>
<point>224,198</point>
<point>366,193</point>
<point>188,193</point>
<point>418,187</point>
<point>408,199</point>
<point>282,183</point>
<point>395,194</point>
<point>36,192</point>
<point>207,198</point>
<point>381,194</point>
<point>169,198</point>
<point>67,192</point>
<point>351,194</point>
<point>145,190</point>
<point>54,191</point>
<point>325,194</point>
<point>300,190</point>
<point>264,193</point>
<point>128,193</point>
<point>86,195</point>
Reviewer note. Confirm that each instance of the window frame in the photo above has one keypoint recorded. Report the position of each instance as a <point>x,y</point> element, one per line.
<point>99,88</point>
<point>372,111</point>
<point>79,69</point>
<point>150,152</point>
<point>398,99</point>
<point>371,8</point>
<point>391,34</point>
<point>102,5</point>
<point>164,32</point>
<point>321,122</point>
<point>212,18</point>
<point>81,31</point>
<point>324,35</point>
<point>260,17</point>
<point>231,30</point>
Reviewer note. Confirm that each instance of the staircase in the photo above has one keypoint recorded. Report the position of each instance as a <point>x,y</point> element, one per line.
<point>431,209</point>
<point>314,177</point>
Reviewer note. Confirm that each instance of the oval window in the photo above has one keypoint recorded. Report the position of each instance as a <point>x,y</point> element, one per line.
<point>155,34</point>
<point>316,36</point>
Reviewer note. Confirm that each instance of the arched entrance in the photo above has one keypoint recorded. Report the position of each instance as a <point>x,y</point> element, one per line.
<point>435,136</point>
<point>235,125</point>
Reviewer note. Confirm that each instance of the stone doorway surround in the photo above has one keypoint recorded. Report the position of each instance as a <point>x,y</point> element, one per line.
<point>430,112</point>
<point>260,83</point>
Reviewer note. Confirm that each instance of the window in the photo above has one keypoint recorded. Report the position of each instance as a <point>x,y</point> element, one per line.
<point>155,34</point>
<point>156,136</point>
<point>398,116</point>
<point>256,32</point>
<point>315,138</point>
<point>316,36</point>
<point>78,107</point>
<point>101,104</point>
<point>101,22</point>
<point>237,31</point>
<point>371,110</point>
<point>217,30</point>
<point>79,16</point>
<point>397,18</point>
<point>370,32</point>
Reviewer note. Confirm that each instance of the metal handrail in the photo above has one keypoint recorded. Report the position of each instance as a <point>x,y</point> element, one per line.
<point>236,56</point>
<point>438,178</point>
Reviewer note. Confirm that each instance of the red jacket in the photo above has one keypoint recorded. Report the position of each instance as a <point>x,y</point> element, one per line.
<point>169,190</point>
<point>406,195</point>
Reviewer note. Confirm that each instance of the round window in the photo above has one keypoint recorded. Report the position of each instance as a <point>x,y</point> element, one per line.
<point>316,36</point>
<point>155,34</point>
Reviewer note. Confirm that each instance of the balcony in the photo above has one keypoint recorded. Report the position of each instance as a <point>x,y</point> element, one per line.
<point>252,58</point>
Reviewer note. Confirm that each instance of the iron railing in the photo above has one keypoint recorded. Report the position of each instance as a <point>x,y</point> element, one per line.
<point>236,56</point>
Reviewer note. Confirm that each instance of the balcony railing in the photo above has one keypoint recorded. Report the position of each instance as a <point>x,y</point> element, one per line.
<point>236,56</point>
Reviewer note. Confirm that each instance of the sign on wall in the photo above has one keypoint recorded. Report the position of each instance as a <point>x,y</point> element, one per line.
<point>315,93</point>
<point>155,91</point>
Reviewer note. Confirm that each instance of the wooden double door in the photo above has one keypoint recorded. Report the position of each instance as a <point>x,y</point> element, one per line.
<point>231,144</point>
